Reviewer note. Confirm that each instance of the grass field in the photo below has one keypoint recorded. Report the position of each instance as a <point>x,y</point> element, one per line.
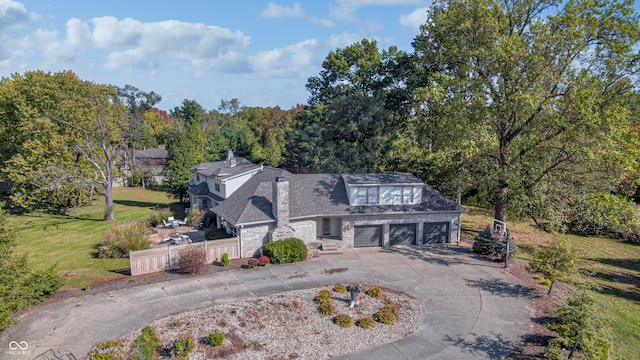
<point>612,266</point>
<point>71,240</point>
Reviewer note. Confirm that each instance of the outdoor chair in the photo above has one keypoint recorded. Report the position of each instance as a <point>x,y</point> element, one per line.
<point>166,225</point>
<point>183,222</point>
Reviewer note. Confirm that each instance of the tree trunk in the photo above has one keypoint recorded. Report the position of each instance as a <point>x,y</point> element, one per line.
<point>500,205</point>
<point>109,213</point>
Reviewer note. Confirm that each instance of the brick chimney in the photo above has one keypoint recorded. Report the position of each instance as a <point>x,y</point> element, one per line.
<point>280,209</point>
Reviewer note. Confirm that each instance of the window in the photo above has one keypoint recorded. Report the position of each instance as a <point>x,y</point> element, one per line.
<point>362,195</point>
<point>403,195</point>
<point>217,185</point>
<point>407,194</point>
<point>198,177</point>
<point>367,195</point>
<point>373,195</point>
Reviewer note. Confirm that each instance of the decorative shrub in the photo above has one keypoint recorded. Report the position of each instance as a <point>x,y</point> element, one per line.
<point>224,261</point>
<point>195,216</point>
<point>387,315</point>
<point>40,285</point>
<point>340,288</point>
<point>264,260</point>
<point>323,296</point>
<point>157,215</point>
<point>182,347</point>
<point>326,308</point>
<point>486,242</point>
<point>110,350</point>
<point>215,338</point>
<point>253,262</point>
<point>146,345</point>
<point>366,323</point>
<point>373,291</point>
<point>343,320</point>
<point>122,238</point>
<point>286,251</point>
<point>191,259</point>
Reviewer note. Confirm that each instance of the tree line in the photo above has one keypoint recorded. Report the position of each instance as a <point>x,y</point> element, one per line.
<point>526,106</point>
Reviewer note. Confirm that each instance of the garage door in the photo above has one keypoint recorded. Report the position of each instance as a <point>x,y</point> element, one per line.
<point>368,236</point>
<point>402,234</point>
<point>436,233</point>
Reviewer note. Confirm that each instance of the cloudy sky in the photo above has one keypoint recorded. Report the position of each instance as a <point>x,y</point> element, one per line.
<point>260,52</point>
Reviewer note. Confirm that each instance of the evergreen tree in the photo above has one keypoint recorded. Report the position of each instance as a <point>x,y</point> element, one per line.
<point>179,165</point>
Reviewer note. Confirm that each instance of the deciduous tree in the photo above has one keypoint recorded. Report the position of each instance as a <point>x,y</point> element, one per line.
<point>535,90</point>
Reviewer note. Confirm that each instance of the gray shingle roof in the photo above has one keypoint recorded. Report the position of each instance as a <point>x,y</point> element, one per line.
<point>202,189</point>
<point>317,195</point>
<point>385,179</point>
<point>252,201</point>
<point>223,169</point>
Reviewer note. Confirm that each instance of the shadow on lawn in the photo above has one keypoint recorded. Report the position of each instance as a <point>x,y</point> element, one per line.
<point>144,204</point>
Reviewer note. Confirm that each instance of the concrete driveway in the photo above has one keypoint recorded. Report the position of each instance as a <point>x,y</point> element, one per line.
<point>474,310</point>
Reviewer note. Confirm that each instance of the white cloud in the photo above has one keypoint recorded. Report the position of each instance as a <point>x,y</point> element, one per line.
<point>279,11</point>
<point>286,59</point>
<point>13,14</point>
<point>109,32</point>
<point>129,59</point>
<point>343,40</point>
<point>325,23</point>
<point>414,19</point>
<point>135,43</point>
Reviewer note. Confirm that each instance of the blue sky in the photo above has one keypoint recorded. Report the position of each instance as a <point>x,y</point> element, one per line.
<point>261,52</point>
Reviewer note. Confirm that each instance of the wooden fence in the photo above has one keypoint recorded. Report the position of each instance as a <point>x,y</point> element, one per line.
<point>164,258</point>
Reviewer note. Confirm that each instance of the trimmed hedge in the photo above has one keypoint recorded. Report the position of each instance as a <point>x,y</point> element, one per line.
<point>285,251</point>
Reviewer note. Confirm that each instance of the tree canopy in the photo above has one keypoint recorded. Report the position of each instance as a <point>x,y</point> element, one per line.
<point>535,91</point>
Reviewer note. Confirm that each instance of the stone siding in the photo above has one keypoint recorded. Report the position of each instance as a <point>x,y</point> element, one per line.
<point>304,230</point>
<point>253,238</point>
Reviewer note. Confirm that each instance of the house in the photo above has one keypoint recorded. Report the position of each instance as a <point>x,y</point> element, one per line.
<point>259,203</point>
<point>154,161</point>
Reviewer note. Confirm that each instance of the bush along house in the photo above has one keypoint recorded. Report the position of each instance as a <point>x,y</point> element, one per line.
<point>258,203</point>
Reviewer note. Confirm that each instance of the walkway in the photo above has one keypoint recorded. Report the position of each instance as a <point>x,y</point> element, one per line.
<point>474,310</point>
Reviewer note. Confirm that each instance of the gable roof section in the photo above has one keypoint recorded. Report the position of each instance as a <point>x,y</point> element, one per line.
<point>223,169</point>
<point>152,153</point>
<point>252,201</point>
<point>316,195</point>
<point>202,189</point>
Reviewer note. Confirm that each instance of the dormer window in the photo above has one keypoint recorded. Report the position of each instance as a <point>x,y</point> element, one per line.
<point>198,177</point>
<point>403,195</point>
<point>217,184</point>
<point>368,195</point>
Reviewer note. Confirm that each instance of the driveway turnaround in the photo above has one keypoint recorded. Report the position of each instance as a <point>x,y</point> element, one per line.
<point>474,310</point>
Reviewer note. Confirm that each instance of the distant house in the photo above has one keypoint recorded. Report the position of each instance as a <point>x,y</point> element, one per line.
<point>258,203</point>
<point>153,159</point>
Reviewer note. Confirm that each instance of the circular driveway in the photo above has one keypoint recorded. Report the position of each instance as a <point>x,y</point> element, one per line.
<point>474,310</point>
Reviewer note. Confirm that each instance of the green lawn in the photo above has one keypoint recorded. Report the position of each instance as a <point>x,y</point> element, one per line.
<point>611,265</point>
<point>70,240</point>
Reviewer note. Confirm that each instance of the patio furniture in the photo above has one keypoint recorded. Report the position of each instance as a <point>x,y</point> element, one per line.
<point>166,224</point>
